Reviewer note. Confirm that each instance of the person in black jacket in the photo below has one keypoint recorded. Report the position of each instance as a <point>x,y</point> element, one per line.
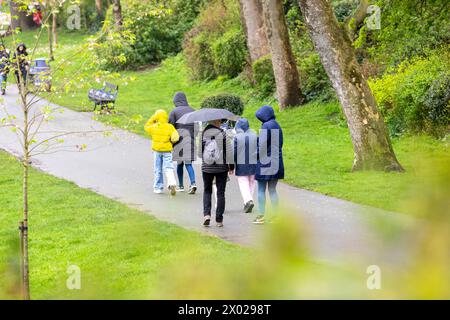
<point>184,150</point>
<point>4,68</point>
<point>218,161</point>
<point>20,60</point>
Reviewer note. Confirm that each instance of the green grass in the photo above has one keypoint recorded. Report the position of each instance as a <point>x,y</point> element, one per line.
<point>121,251</point>
<point>318,151</point>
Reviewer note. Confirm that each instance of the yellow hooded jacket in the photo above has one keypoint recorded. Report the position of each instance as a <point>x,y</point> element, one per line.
<point>163,134</point>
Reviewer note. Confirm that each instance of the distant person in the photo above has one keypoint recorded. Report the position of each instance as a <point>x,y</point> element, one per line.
<point>245,143</point>
<point>270,167</point>
<point>217,162</point>
<point>4,68</point>
<point>184,149</point>
<point>20,60</point>
<point>163,136</point>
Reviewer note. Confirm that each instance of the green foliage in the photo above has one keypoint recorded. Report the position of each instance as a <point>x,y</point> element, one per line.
<point>414,97</point>
<point>263,76</point>
<point>230,102</point>
<point>314,80</point>
<point>408,29</point>
<point>151,32</point>
<point>216,45</point>
<point>229,53</point>
<point>344,8</point>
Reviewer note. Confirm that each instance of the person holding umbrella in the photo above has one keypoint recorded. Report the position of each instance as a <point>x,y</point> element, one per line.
<point>217,158</point>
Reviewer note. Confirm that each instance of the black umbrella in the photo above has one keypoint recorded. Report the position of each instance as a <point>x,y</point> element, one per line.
<point>207,114</point>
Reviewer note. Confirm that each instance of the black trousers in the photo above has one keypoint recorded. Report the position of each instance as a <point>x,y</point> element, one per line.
<point>221,183</point>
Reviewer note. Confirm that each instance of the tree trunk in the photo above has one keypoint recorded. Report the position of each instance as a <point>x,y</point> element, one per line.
<point>255,31</point>
<point>24,223</point>
<point>117,12</point>
<point>372,145</point>
<point>353,22</point>
<point>284,66</point>
<point>15,15</point>
<point>54,29</point>
<point>50,42</point>
<point>99,7</point>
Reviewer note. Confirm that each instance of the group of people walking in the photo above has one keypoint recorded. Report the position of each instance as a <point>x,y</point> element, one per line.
<point>256,160</point>
<point>19,63</point>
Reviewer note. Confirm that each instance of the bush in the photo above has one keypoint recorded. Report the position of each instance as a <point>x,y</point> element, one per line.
<point>229,102</point>
<point>263,75</point>
<point>315,83</point>
<point>412,98</point>
<point>151,32</point>
<point>230,53</point>
<point>437,105</point>
<point>216,45</point>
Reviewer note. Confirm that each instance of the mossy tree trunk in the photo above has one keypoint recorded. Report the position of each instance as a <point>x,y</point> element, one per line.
<point>255,31</point>
<point>284,66</point>
<point>117,12</point>
<point>371,142</point>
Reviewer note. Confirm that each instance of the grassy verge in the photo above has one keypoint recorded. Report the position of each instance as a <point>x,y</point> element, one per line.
<point>120,251</point>
<point>318,150</point>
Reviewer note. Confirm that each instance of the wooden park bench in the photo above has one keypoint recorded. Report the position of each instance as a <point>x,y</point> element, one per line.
<point>104,97</point>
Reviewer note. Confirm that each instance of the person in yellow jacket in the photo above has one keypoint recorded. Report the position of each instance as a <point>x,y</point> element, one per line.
<point>163,136</point>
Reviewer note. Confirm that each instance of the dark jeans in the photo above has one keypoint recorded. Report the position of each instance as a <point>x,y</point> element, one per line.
<point>221,183</point>
<point>180,173</point>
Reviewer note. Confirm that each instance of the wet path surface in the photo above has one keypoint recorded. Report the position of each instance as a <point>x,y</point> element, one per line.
<point>119,167</point>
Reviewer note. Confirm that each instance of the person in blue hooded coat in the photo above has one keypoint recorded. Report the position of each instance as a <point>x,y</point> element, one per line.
<point>270,166</point>
<point>245,159</point>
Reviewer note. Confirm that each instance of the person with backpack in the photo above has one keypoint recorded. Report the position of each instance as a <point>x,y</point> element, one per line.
<point>21,63</point>
<point>217,161</point>
<point>163,136</point>
<point>184,149</point>
<point>4,68</point>
<point>245,143</point>
<point>270,166</point>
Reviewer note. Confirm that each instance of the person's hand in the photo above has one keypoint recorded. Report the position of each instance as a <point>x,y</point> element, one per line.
<point>231,172</point>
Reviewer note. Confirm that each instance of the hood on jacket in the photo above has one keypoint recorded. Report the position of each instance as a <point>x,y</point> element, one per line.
<point>161,116</point>
<point>242,125</point>
<point>180,100</point>
<point>22,45</point>
<point>265,114</point>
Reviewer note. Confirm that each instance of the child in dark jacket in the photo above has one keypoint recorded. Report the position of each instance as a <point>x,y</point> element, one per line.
<point>270,167</point>
<point>245,143</point>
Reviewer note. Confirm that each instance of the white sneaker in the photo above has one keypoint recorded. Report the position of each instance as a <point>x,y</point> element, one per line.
<point>180,189</point>
<point>157,191</point>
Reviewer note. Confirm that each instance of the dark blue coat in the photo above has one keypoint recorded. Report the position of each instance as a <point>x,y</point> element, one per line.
<point>270,146</point>
<point>245,144</point>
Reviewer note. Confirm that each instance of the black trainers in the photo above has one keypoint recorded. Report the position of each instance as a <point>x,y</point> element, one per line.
<point>207,221</point>
<point>192,189</point>
<point>248,208</point>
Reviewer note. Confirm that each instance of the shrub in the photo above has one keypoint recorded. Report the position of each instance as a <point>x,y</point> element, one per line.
<point>151,32</point>
<point>216,45</point>
<point>315,83</point>
<point>230,53</point>
<point>229,102</point>
<point>412,97</point>
<point>437,105</point>
<point>263,75</point>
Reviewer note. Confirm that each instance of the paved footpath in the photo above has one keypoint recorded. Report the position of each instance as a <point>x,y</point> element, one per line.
<point>120,167</point>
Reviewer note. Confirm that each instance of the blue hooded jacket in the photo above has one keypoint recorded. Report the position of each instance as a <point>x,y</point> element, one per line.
<point>270,149</point>
<point>245,144</point>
